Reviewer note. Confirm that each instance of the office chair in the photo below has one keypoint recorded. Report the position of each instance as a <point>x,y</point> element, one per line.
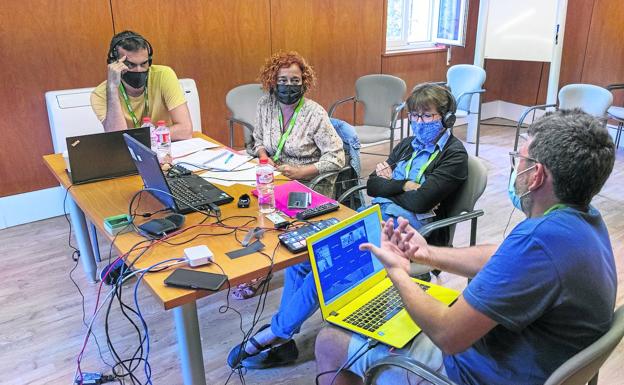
<point>591,99</point>
<point>242,101</point>
<point>580,369</point>
<point>616,113</point>
<point>382,97</point>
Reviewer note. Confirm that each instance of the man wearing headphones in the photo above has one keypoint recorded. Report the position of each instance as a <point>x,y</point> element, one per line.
<point>136,89</point>
<point>423,173</point>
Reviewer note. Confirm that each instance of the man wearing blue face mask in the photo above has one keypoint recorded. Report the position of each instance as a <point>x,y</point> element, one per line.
<point>135,89</point>
<point>423,173</point>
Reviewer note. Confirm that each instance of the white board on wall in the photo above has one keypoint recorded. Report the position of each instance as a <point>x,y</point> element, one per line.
<point>521,30</point>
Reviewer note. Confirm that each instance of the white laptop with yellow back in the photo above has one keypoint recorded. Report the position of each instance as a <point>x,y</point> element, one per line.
<point>354,291</point>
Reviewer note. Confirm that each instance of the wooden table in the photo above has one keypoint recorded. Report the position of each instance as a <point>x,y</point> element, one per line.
<point>93,202</point>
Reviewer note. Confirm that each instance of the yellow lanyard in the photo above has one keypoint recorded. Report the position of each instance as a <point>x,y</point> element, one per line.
<point>285,135</point>
<point>422,169</point>
<point>124,95</point>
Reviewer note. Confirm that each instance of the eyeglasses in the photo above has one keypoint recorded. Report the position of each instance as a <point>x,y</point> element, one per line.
<point>293,81</point>
<point>425,117</point>
<point>514,158</point>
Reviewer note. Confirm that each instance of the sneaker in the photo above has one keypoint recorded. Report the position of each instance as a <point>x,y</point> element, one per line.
<point>280,355</point>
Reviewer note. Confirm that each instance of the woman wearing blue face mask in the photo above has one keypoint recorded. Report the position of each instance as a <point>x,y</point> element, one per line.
<point>423,173</point>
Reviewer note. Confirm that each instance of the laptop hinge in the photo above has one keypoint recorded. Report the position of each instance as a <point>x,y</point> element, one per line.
<point>333,314</point>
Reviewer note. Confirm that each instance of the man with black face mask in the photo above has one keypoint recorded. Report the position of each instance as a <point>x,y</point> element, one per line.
<point>135,89</point>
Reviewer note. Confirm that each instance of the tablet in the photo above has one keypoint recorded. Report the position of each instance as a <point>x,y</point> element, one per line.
<point>194,279</point>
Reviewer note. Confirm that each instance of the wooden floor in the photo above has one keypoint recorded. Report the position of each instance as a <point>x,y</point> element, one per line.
<point>40,309</point>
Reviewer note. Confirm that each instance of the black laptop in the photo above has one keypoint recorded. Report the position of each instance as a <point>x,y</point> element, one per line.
<point>102,156</point>
<point>181,193</point>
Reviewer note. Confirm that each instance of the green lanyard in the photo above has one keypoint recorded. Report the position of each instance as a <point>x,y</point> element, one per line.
<point>422,168</point>
<point>285,135</point>
<point>555,207</point>
<point>124,95</point>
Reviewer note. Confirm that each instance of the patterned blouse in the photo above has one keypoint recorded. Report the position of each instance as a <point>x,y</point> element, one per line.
<point>313,139</point>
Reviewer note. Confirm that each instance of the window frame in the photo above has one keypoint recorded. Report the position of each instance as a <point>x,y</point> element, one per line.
<point>434,43</point>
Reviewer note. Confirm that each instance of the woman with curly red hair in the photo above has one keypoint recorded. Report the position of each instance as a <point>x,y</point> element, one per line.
<point>293,132</point>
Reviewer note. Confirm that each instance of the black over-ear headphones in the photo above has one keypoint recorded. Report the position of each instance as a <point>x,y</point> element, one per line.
<point>449,118</point>
<point>113,55</point>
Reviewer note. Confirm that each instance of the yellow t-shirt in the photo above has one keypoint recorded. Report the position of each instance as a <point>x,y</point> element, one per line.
<point>163,91</point>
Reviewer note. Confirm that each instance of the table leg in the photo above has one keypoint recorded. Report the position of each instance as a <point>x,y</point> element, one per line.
<point>189,344</point>
<point>95,246</point>
<point>79,224</point>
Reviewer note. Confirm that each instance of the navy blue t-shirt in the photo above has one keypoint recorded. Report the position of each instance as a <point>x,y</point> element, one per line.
<point>551,288</point>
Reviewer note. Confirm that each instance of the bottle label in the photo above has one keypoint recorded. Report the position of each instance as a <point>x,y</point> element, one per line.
<point>264,177</point>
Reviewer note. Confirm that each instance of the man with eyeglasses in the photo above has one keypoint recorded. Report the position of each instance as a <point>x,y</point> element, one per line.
<point>547,292</point>
<point>423,173</point>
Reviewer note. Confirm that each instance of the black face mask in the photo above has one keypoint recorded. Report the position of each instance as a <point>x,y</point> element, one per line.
<point>289,93</point>
<point>135,79</point>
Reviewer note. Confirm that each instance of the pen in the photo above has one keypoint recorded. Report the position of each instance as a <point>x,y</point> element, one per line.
<point>228,158</point>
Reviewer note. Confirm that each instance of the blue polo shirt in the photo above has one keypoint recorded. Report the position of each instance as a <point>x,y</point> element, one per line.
<point>551,288</point>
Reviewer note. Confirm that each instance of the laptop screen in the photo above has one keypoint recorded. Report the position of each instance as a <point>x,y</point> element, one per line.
<point>147,163</point>
<point>340,263</point>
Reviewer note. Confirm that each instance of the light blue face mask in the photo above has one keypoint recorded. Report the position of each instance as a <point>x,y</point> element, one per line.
<point>516,199</point>
<point>427,132</point>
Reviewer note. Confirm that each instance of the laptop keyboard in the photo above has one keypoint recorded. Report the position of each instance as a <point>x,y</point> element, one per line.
<point>379,310</point>
<point>182,192</point>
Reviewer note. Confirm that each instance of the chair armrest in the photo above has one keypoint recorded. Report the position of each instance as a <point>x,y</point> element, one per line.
<point>396,110</point>
<point>321,177</point>
<point>408,364</point>
<point>616,86</point>
<point>336,104</point>
<point>459,98</point>
<point>349,192</point>
<point>427,229</point>
<point>244,124</point>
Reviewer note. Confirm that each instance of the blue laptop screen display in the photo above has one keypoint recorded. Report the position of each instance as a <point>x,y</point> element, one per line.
<point>340,263</point>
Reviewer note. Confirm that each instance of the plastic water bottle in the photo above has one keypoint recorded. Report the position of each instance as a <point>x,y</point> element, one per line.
<point>147,122</point>
<point>163,147</point>
<point>264,185</point>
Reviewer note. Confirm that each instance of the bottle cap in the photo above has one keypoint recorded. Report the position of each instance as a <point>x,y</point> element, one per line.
<point>147,119</point>
<point>264,160</point>
<point>160,123</point>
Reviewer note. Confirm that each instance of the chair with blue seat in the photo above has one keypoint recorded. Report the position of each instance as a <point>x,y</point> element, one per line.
<point>580,369</point>
<point>617,113</point>
<point>382,97</point>
<point>242,101</point>
<point>590,98</point>
<point>465,82</point>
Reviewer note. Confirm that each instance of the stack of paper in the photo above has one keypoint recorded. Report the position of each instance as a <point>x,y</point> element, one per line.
<point>219,159</point>
<point>186,147</point>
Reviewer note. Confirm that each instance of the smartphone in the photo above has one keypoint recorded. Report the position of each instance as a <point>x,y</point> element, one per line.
<point>194,279</point>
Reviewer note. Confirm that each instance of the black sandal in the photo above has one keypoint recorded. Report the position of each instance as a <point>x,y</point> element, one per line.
<point>238,353</point>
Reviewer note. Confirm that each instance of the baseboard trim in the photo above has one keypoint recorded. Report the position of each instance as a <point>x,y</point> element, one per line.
<point>31,206</point>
